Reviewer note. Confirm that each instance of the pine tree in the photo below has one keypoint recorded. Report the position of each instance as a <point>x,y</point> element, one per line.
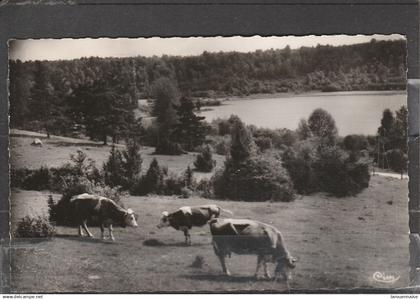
<point>204,161</point>
<point>154,178</point>
<point>19,93</point>
<point>113,168</point>
<point>188,177</point>
<point>103,110</point>
<point>132,161</point>
<point>165,93</point>
<point>190,131</point>
<point>242,144</point>
<point>400,129</point>
<point>41,103</point>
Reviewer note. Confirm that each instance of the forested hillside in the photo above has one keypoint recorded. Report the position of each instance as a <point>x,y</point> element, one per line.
<point>59,93</point>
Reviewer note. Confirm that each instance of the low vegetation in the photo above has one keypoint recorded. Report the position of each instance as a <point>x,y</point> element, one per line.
<point>34,227</point>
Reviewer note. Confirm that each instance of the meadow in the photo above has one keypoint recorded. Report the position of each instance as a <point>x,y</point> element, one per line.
<point>340,242</point>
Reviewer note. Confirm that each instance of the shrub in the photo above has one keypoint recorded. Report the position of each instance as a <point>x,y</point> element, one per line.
<point>220,144</point>
<point>152,181</point>
<point>397,160</point>
<point>132,162</point>
<point>340,175</point>
<point>205,188</point>
<point>322,125</point>
<point>355,143</point>
<point>186,192</point>
<point>254,179</point>
<point>204,161</point>
<point>34,227</point>
<point>31,179</point>
<point>263,143</point>
<point>299,161</point>
<point>113,169</point>
<point>52,213</point>
<point>167,147</point>
<point>268,138</point>
<point>188,176</point>
<point>79,168</point>
<point>172,185</point>
<point>198,262</point>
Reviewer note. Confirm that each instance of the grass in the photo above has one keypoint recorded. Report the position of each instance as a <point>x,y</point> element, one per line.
<point>340,243</point>
<point>56,151</point>
<point>335,248</point>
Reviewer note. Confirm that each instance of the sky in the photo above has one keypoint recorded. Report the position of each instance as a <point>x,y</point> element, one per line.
<point>56,49</point>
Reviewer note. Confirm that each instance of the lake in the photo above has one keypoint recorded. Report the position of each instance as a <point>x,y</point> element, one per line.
<point>356,112</point>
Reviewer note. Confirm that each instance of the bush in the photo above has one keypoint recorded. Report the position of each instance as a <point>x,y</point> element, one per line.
<point>113,169</point>
<point>264,143</point>
<point>268,138</point>
<point>220,144</point>
<point>204,161</point>
<point>299,161</point>
<point>188,176</point>
<point>205,188</point>
<point>80,168</point>
<point>340,175</point>
<point>152,181</point>
<point>31,179</point>
<point>198,262</point>
<point>52,213</point>
<point>34,227</point>
<point>132,162</point>
<point>313,167</point>
<point>186,192</point>
<point>355,143</point>
<point>397,160</point>
<point>172,185</point>
<point>254,179</point>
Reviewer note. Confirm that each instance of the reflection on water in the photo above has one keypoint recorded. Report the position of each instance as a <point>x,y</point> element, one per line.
<point>354,112</point>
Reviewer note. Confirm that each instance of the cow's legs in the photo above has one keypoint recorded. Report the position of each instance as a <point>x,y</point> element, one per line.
<point>266,274</point>
<point>102,231</point>
<point>259,260</point>
<point>111,235</point>
<point>223,262</point>
<point>187,235</point>
<point>86,229</point>
<point>80,231</point>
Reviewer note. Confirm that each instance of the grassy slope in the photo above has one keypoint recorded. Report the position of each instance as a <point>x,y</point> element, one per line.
<point>56,151</point>
<point>340,242</point>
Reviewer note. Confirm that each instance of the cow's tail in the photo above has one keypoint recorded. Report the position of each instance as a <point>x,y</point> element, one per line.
<point>226,211</point>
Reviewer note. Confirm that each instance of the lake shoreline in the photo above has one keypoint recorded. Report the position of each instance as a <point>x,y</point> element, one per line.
<point>259,96</point>
<point>355,112</point>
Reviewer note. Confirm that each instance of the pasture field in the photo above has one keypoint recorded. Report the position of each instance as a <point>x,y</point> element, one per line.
<point>57,150</point>
<point>340,243</point>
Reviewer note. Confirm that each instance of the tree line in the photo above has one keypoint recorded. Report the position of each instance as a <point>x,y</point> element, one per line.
<point>101,93</point>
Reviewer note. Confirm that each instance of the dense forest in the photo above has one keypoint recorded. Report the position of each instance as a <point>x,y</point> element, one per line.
<point>54,96</point>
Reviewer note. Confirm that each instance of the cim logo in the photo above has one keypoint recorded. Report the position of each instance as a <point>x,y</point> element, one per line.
<point>385,278</point>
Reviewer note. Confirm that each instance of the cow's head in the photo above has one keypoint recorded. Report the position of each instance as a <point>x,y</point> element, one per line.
<point>130,218</point>
<point>284,267</point>
<point>164,220</point>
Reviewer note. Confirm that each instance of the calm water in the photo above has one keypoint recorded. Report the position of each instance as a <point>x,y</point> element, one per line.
<point>354,112</point>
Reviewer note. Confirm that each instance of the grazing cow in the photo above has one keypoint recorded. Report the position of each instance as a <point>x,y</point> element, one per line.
<point>36,142</point>
<point>106,210</point>
<point>243,236</point>
<point>186,217</point>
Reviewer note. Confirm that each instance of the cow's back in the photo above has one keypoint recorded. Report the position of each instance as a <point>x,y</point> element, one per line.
<point>85,206</point>
<point>241,237</point>
<point>200,216</point>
